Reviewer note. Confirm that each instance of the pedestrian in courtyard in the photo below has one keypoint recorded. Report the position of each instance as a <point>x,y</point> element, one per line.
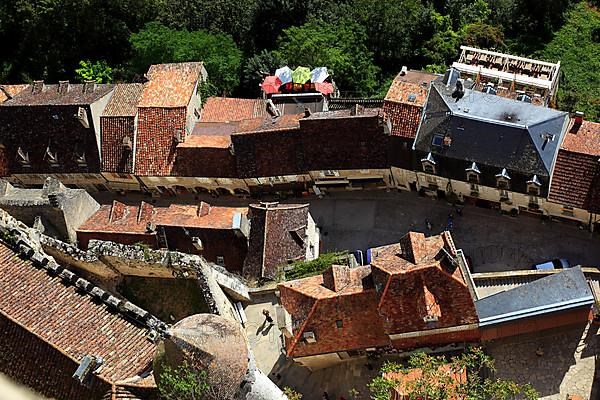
<point>267,316</point>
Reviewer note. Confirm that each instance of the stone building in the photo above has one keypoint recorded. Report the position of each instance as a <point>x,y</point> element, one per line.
<point>416,293</point>
<point>54,209</point>
<point>54,130</point>
<point>65,337</point>
<point>279,235</point>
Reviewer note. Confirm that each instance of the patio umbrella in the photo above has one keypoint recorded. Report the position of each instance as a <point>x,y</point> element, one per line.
<point>301,75</point>
<point>271,84</point>
<point>324,87</point>
<point>284,74</point>
<point>319,74</point>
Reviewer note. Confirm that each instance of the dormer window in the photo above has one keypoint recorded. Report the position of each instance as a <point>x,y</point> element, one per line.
<point>428,164</point>
<point>473,173</point>
<point>51,157</point>
<point>533,186</point>
<point>503,180</point>
<point>23,157</point>
<point>80,160</point>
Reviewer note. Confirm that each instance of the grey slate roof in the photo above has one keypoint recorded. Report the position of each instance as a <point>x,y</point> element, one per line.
<point>561,291</point>
<point>491,130</point>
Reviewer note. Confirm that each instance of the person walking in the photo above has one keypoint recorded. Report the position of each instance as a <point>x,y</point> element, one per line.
<point>267,316</point>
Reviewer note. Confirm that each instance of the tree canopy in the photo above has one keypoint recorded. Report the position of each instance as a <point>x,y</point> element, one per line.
<point>364,42</point>
<point>440,378</point>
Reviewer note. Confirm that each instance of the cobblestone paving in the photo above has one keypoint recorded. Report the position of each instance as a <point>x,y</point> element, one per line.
<point>568,364</point>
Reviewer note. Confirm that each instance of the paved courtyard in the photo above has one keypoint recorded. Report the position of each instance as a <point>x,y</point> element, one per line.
<point>362,219</point>
<point>494,242</point>
<point>569,362</point>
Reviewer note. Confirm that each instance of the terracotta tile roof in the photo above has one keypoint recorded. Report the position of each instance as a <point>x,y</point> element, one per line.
<point>124,100</point>
<point>576,174</point>
<point>121,218</point>
<point>212,141</point>
<point>404,101</point>
<point>584,138</point>
<point>7,91</point>
<point>575,180</point>
<point>229,109</point>
<point>203,216</point>
<point>69,324</point>
<point>357,308</point>
<point>411,88</point>
<point>76,94</point>
<point>269,124</point>
<point>170,85</point>
<point>214,128</point>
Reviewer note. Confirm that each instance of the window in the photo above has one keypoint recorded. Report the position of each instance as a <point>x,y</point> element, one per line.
<point>504,194</point>
<point>472,177</point>
<point>533,186</point>
<point>438,140</point>
<point>428,164</point>
<point>502,184</point>
<point>567,210</point>
<point>221,261</point>
<point>474,188</point>
<point>473,173</point>
<point>339,323</point>
<point>428,168</point>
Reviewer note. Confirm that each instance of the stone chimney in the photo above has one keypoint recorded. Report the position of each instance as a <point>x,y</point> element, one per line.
<point>337,277</point>
<point>37,87</point>
<point>89,86</point>
<point>63,87</point>
<point>203,209</point>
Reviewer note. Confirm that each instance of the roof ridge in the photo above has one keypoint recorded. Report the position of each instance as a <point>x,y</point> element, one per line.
<point>18,239</point>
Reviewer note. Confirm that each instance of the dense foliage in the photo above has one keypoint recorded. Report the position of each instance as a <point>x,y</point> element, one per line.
<point>364,42</point>
<point>302,269</point>
<point>436,383</point>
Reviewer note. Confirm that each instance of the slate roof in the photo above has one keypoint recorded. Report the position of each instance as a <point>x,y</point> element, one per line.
<point>491,130</point>
<point>49,95</point>
<point>56,321</point>
<point>230,109</point>
<point>575,180</point>
<point>170,85</point>
<point>124,100</point>
<point>557,292</point>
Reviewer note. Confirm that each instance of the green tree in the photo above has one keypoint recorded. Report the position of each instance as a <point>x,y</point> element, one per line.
<point>435,383</point>
<point>579,54</point>
<point>443,46</point>
<point>339,47</point>
<point>483,35</point>
<point>98,71</point>
<point>257,66</point>
<point>158,44</point>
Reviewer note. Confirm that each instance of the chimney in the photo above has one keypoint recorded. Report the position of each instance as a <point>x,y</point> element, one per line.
<point>307,112</point>
<point>404,70</point>
<point>357,109</point>
<point>269,204</point>
<point>89,86</point>
<point>577,122</point>
<point>203,209</point>
<point>337,277</point>
<point>63,87</point>
<point>37,87</point>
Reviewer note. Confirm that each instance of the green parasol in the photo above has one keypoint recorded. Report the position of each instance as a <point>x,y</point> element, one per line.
<point>301,75</point>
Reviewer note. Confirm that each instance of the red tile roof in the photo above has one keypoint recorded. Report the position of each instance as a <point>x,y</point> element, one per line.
<point>411,281</point>
<point>170,85</point>
<point>217,142</point>
<point>57,322</point>
<point>269,124</point>
<point>576,174</point>
<point>404,102</point>
<point>584,139</point>
<point>203,216</point>
<point>122,218</point>
<point>124,100</point>
<point>229,109</point>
